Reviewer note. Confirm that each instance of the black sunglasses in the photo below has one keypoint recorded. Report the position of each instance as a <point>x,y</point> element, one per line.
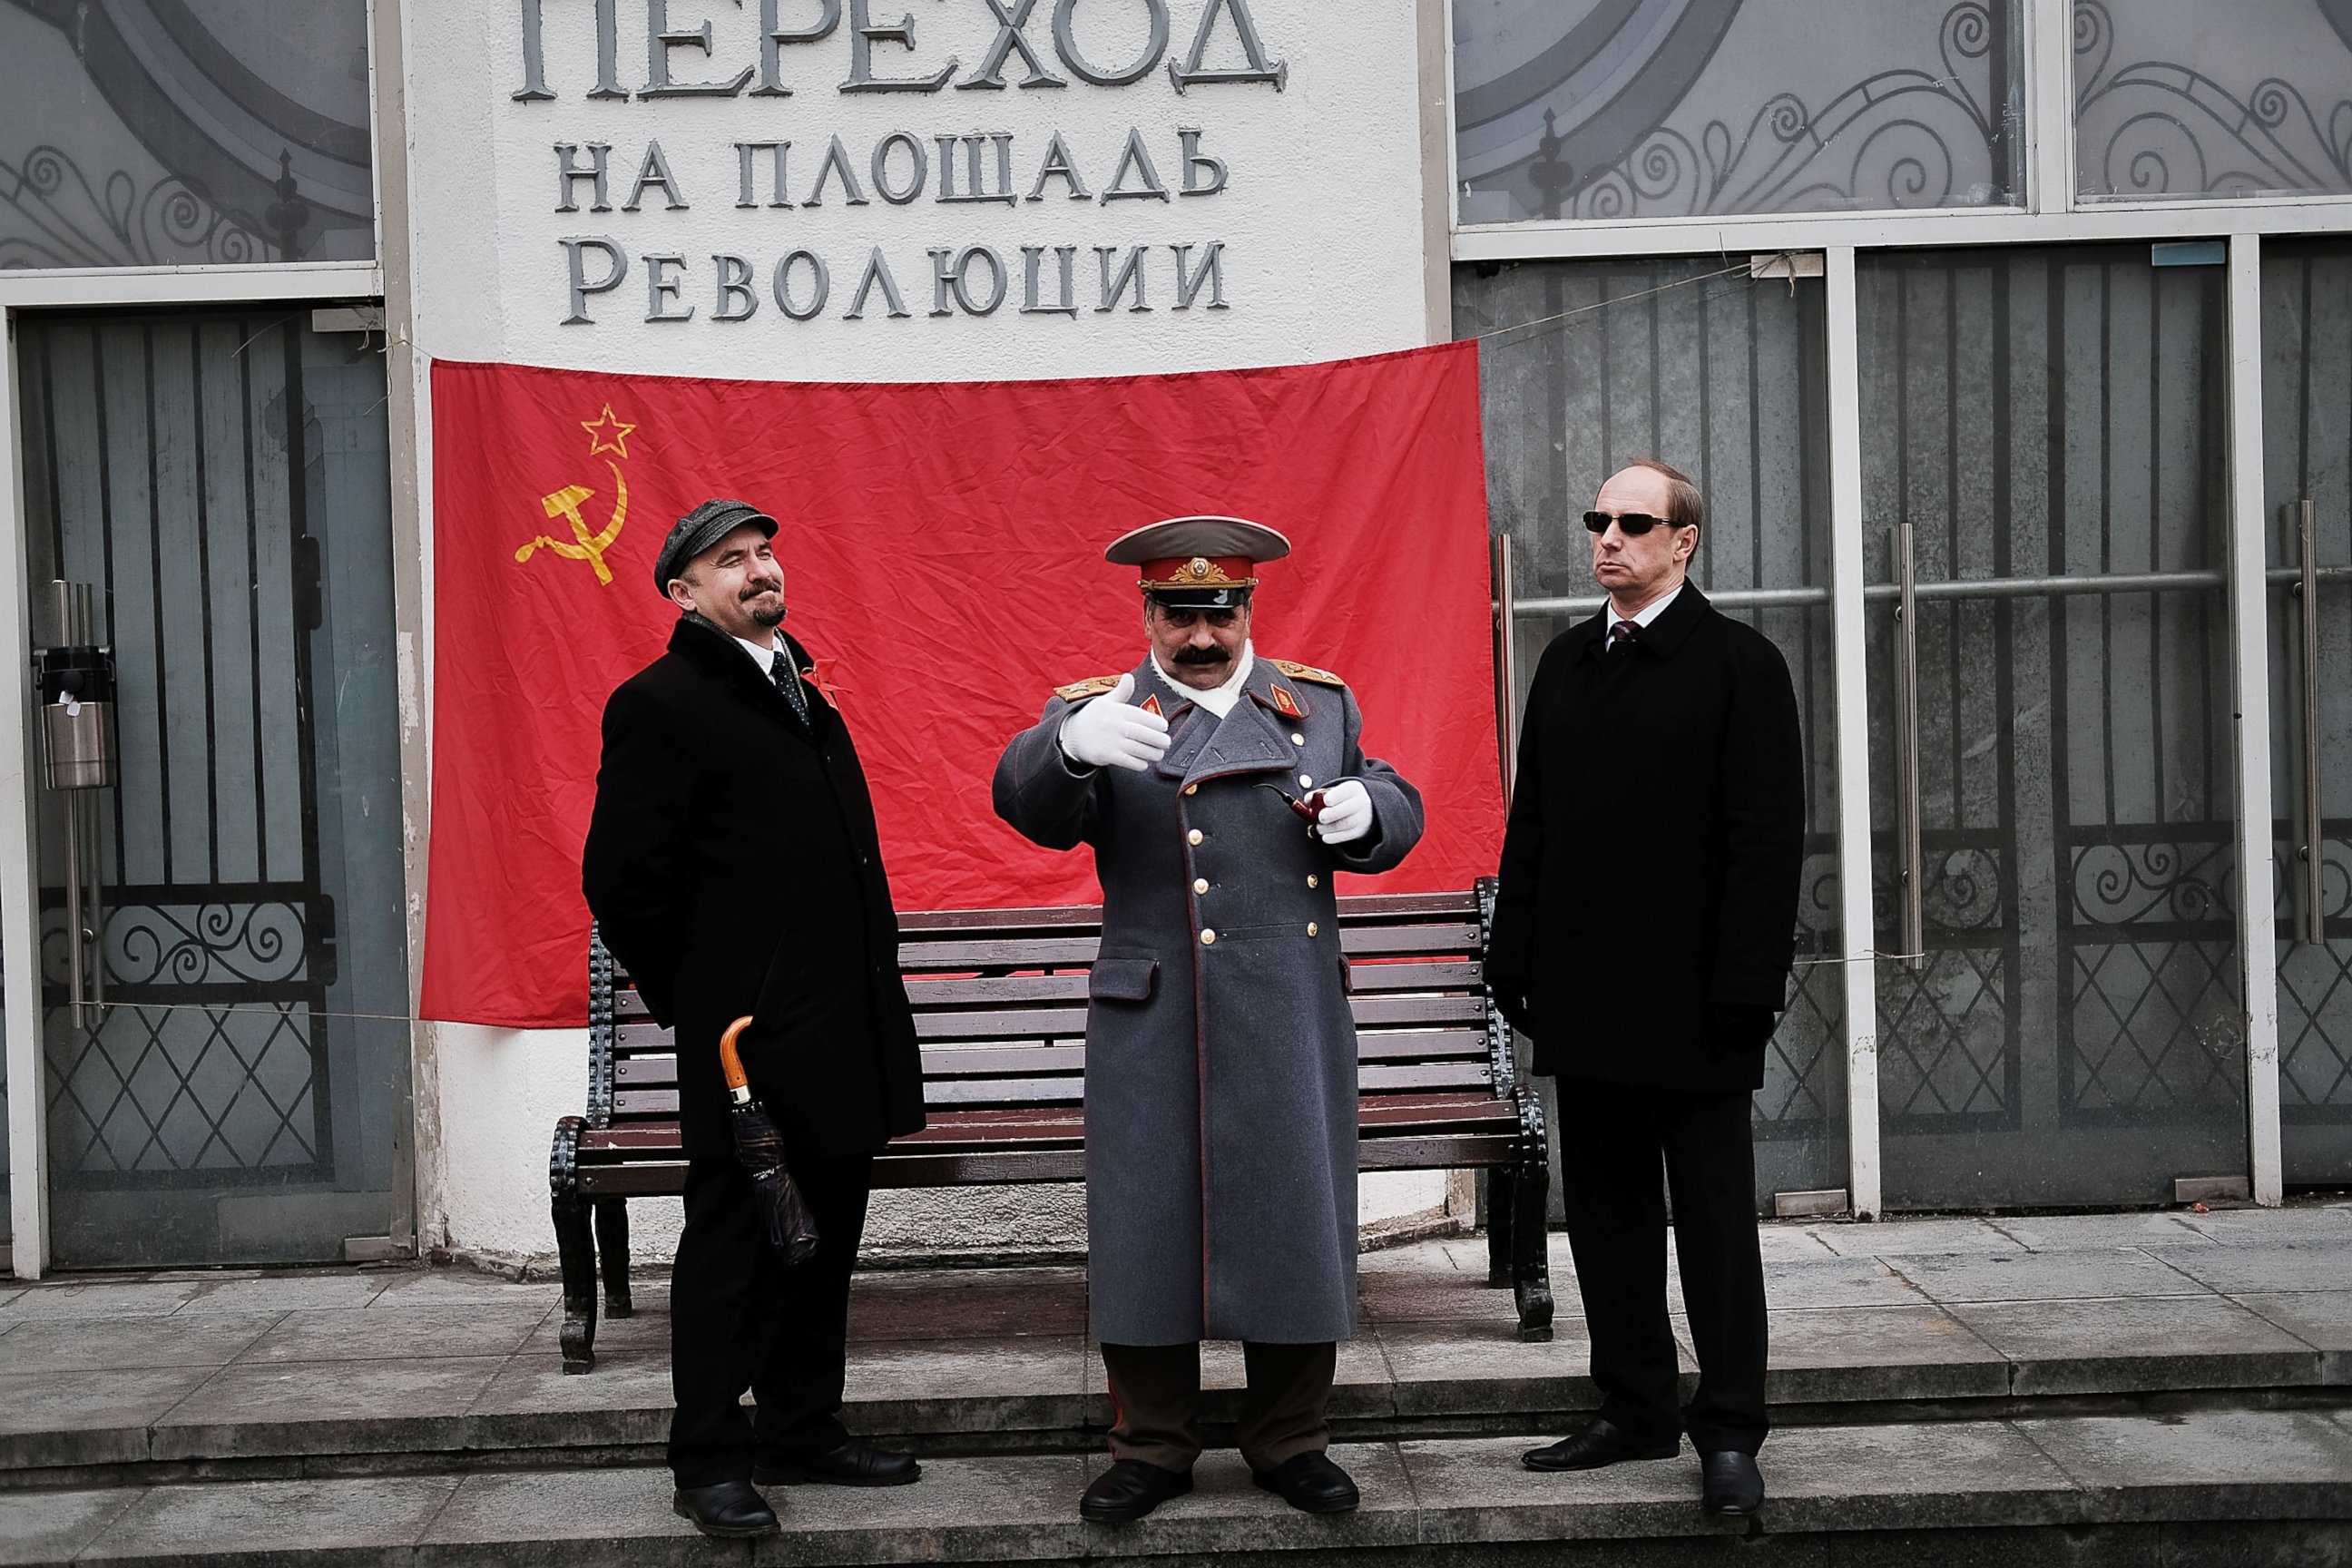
<point>1634,523</point>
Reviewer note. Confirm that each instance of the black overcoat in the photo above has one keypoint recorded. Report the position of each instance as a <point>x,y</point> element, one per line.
<point>1655,845</point>
<point>732,866</point>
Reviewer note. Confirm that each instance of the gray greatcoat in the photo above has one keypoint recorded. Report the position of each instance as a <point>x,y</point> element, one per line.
<point>1221,1056</point>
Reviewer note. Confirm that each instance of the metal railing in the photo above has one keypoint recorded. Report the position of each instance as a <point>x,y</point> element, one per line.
<point>2300,581</point>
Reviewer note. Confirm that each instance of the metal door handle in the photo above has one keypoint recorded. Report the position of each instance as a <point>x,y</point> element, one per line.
<point>1506,673</point>
<point>2311,924</point>
<point>1908,869</point>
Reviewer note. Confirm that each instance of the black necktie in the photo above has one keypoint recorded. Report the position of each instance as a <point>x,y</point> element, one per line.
<point>789,683</point>
<point>1621,635</point>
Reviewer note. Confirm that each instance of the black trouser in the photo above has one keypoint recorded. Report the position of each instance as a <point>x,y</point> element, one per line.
<point>740,1319</point>
<point>1612,1136</point>
<point>1155,1393</point>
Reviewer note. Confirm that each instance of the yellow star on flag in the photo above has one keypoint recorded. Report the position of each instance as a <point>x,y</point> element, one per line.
<point>607,433</point>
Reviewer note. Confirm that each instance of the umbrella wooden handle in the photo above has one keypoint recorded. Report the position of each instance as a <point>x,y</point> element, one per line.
<point>730,1063</point>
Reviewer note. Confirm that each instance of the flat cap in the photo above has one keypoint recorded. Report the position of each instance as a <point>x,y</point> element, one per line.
<point>700,528</point>
<point>1199,563</point>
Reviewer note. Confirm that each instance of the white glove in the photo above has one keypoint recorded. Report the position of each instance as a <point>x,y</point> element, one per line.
<point>1109,732</point>
<point>1346,813</point>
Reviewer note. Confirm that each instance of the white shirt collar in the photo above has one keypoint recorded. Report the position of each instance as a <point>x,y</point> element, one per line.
<point>765,657</point>
<point>1653,609</point>
<point>1218,700</point>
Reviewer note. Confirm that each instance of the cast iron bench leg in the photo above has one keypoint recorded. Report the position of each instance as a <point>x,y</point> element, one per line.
<point>613,1252</point>
<point>1502,1201</point>
<point>1530,1185</point>
<point>574,1247</point>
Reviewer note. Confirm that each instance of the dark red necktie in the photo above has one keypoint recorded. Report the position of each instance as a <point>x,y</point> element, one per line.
<point>1621,635</point>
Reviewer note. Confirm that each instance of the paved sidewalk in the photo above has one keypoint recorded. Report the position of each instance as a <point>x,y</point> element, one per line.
<point>175,1368</point>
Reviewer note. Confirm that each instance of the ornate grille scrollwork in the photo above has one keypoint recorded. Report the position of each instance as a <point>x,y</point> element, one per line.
<point>2315,993</point>
<point>1903,138</point>
<point>207,1062</point>
<point>64,217</point>
<point>2162,128</point>
<point>1948,1044</point>
<point>2156,1032</point>
<point>1799,1099</point>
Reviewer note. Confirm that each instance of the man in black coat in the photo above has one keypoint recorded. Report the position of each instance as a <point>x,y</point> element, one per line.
<point>733,868</point>
<point>1643,933</point>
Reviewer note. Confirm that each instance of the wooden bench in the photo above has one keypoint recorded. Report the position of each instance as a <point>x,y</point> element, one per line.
<point>1000,1001</point>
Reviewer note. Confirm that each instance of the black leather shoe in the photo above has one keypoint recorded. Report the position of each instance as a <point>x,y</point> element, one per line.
<point>854,1464</point>
<point>1310,1483</point>
<point>1734,1487</point>
<point>727,1511</point>
<point>1598,1445</point>
<point>1129,1489</point>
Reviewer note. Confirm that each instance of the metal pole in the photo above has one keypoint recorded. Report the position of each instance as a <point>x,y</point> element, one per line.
<point>2310,852</point>
<point>1909,857</point>
<point>2252,783</point>
<point>1506,663</point>
<point>1850,685</point>
<point>62,600</point>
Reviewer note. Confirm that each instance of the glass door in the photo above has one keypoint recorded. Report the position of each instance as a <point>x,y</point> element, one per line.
<point>2045,480</point>
<point>2307,420</point>
<point>1585,365</point>
<point>223,953</point>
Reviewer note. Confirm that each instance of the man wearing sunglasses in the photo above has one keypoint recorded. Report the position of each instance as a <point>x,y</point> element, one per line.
<point>1219,791</point>
<point>1643,935</point>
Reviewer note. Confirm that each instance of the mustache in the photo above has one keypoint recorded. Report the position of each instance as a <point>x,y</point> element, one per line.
<point>753,590</point>
<point>1203,656</point>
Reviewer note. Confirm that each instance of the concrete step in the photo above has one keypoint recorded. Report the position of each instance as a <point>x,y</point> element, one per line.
<point>2235,1486</point>
<point>339,1371</point>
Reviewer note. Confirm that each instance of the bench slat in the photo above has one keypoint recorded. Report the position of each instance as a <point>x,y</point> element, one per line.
<point>980,1061</point>
<point>660,1179</point>
<point>927,1169</point>
<point>1460,1075</point>
<point>1024,1024</point>
<point>1390,1009</point>
<point>645,1052</point>
<point>977,991</point>
<point>1434,1153</point>
<point>648,1082</point>
<point>982,953</point>
<point>1420,1045</point>
<point>1067,1090</point>
<point>1415,975</point>
<point>1374,1110</point>
<point>624,1141</point>
<point>1401,941</point>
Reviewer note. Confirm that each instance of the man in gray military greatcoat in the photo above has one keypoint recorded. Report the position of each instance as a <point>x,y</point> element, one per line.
<point>1221,1054</point>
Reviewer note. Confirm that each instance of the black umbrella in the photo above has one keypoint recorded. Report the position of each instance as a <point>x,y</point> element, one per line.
<point>790,1227</point>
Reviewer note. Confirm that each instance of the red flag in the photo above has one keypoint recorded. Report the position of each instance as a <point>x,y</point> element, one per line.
<point>943,553</point>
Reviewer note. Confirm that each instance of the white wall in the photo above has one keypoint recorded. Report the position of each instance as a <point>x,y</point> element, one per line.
<point>1320,219</point>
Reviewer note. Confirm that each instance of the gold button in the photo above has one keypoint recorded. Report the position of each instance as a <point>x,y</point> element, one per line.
<point>1310,928</point>
<point>1313,881</point>
<point>1193,837</point>
<point>1298,739</point>
<point>1192,789</point>
<point>1200,884</point>
<point>1208,939</point>
<point>1306,783</point>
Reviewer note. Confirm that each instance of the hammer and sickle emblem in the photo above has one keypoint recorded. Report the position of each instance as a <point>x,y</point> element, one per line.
<point>584,546</point>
